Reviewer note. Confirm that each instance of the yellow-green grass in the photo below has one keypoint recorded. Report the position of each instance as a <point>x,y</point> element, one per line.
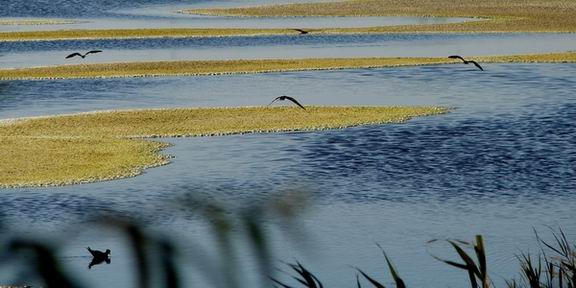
<point>216,67</point>
<point>36,21</point>
<point>89,147</point>
<point>498,15</point>
<point>89,34</point>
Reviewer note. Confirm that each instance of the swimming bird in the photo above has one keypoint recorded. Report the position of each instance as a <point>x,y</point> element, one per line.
<point>466,61</point>
<point>284,97</point>
<point>98,257</point>
<point>302,31</point>
<point>83,56</point>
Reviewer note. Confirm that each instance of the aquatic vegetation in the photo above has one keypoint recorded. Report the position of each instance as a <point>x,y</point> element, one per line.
<point>36,21</point>
<point>218,67</point>
<point>88,34</point>
<point>494,15</point>
<point>99,146</point>
<point>183,68</point>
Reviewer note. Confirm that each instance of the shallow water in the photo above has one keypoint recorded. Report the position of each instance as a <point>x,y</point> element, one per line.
<point>499,164</point>
<point>31,54</point>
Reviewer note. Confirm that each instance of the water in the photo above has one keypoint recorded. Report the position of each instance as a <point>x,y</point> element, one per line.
<point>499,164</point>
<point>29,54</point>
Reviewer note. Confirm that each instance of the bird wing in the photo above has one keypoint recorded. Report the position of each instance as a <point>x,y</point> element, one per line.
<point>91,251</point>
<point>456,57</point>
<point>273,101</point>
<point>295,102</point>
<point>476,64</point>
<point>73,54</point>
<point>93,51</point>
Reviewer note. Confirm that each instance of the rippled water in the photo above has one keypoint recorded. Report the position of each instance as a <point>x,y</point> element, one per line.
<point>499,164</point>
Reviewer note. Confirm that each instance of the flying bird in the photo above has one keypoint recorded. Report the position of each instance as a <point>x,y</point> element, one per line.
<point>284,97</point>
<point>301,31</point>
<point>98,257</point>
<point>466,61</point>
<point>83,56</point>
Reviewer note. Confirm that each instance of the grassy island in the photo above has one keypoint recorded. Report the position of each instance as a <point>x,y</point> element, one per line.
<point>9,21</point>
<point>218,67</point>
<point>89,147</point>
<point>493,15</point>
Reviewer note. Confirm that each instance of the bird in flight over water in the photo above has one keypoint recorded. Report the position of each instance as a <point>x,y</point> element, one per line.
<point>284,97</point>
<point>83,56</point>
<point>302,31</point>
<point>466,61</point>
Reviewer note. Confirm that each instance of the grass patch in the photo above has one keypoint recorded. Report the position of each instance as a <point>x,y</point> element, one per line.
<point>217,67</point>
<point>107,145</point>
<point>502,16</point>
<point>36,22</point>
<point>87,34</point>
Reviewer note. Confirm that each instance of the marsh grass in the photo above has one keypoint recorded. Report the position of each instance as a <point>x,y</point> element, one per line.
<point>91,147</point>
<point>496,15</point>
<point>36,21</point>
<point>93,34</point>
<point>219,67</point>
<point>207,67</point>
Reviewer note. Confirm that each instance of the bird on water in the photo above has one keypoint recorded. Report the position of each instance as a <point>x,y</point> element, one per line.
<point>466,61</point>
<point>284,97</point>
<point>83,55</point>
<point>98,257</point>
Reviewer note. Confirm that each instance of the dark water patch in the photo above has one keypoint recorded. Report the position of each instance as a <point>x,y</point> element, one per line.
<point>531,155</point>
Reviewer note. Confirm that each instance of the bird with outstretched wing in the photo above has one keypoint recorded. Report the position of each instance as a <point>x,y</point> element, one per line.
<point>284,97</point>
<point>83,56</point>
<point>466,61</point>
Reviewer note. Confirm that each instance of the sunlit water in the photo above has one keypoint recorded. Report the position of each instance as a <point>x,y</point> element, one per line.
<point>499,164</point>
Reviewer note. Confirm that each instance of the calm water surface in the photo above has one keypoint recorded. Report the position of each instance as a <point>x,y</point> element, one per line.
<point>30,54</point>
<point>502,162</point>
<point>499,164</point>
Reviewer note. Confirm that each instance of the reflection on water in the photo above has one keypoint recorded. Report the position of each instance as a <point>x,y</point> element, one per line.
<point>29,54</point>
<point>501,163</point>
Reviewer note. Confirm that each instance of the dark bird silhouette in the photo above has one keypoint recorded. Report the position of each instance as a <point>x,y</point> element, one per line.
<point>98,257</point>
<point>284,97</point>
<point>466,61</point>
<point>301,31</point>
<point>83,56</point>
